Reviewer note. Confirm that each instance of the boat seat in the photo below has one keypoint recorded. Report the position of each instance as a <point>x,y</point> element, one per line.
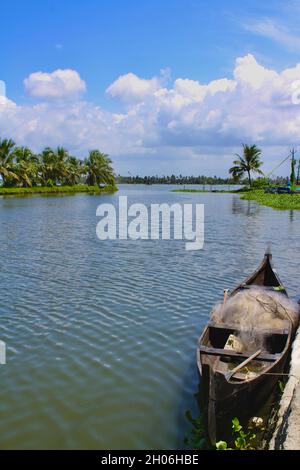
<point>264,356</point>
<point>269,331</point>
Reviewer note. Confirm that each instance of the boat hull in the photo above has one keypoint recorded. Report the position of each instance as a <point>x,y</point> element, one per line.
<point>226,400</point>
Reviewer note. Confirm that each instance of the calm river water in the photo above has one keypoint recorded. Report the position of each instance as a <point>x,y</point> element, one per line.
<point>101,336</point>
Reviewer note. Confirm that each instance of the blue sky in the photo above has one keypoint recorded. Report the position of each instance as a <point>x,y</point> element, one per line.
<point>105,39</point>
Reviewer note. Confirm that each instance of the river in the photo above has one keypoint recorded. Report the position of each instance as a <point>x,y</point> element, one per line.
<point>101,335</point>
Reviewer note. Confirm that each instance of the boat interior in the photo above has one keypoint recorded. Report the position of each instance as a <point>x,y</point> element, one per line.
<point>265,277</point>
<point>217,353</point>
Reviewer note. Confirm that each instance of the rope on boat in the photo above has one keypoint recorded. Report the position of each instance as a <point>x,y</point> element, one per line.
<point>281,373</point>
<point>272,306</point>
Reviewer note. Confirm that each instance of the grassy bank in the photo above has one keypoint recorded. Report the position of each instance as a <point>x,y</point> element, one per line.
<point>277,201</point>
<point>78,188</point>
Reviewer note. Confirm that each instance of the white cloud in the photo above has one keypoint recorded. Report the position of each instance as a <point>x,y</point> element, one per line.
<point>132,88</point>
<point>271,29</point>
<point>58,84</point>
<point>250,73</point>
<point>194,125</point>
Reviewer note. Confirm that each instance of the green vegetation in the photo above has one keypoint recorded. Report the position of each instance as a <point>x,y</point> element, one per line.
<point>293,165</point>
<point>196,439</point>
<point>207,191</point>
<point>281,386</point>
<point>247,163</point>
<point>277,201</point>
<point>242,440</point>
<point>262,183</point>
<point>205,180</point>
<point>77,188</point>
<point>21,168</point>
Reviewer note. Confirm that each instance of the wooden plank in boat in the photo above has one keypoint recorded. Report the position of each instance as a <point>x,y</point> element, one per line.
<point>224,352</point>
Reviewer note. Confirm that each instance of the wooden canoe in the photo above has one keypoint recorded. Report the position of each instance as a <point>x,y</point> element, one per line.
<point>225,396</point>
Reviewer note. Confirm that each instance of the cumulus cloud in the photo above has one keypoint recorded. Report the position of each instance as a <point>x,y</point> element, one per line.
<point>250,73</point>
<point>197,125</point>
<point>130,87</point>
<point>58,84</point>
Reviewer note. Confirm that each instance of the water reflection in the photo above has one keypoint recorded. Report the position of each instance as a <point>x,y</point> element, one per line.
<point>247,208</point>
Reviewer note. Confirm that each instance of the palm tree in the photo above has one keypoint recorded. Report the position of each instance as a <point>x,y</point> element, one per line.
<point>75,169</point>
<point>61,157</point>
<point>53,165</point>
<point>248,162</point>
<point>19,166</point>
<point>46,166</point>
<point>7,160</point>
<point>99,168</point>
<point>26,166</point>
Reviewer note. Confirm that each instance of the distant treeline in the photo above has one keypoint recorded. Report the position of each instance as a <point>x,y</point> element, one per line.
<point>204,180</point>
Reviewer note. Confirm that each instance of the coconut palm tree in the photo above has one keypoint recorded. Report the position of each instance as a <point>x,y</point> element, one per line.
<point>99,168</point>
<point>26,166</point>
<point>247,163</point>
<point>19,166</point>
<point>53,165</point>
<point>7,172</point>
<point>75,169</point>
<point>61,156</point>
<point>46,166</point>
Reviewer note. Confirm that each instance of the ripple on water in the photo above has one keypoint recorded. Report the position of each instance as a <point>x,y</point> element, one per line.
<point>101,336</point>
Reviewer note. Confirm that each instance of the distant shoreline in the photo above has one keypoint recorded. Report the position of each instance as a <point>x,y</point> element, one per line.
<point>230,191</point>
<point>79,188</point>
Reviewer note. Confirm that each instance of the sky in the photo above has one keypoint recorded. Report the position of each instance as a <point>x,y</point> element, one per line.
<point>169,86</point>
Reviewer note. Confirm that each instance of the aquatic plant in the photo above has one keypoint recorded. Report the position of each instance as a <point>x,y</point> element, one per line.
<point>277,201</point>
<point>196,439</point>
<point>243,440</point>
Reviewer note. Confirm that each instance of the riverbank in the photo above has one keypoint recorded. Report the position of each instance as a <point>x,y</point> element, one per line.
<point>286,435</point>
<point>276,201</point>
<point>78,188</point>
